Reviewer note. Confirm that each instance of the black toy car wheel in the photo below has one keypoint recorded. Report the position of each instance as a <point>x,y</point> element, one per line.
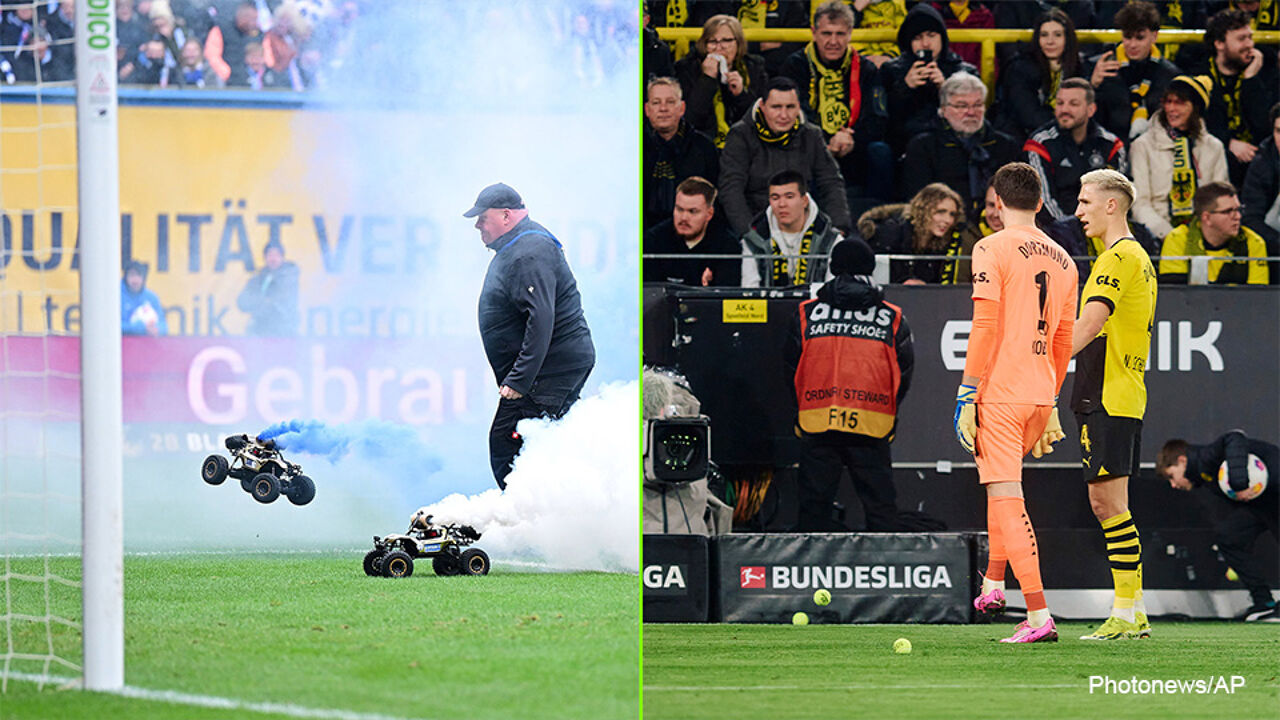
<point>214,470</point>
<point>373,563</point>
<point>446,565</point>
<point>265,488</point>
<point>301,490</point>
<point>475,562</point>
<point>397,564</point>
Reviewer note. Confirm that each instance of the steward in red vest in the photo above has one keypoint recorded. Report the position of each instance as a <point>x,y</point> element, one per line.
<point>853,358</point>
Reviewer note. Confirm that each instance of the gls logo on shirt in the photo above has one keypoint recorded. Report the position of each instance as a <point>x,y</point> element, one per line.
<point>1108,280</point>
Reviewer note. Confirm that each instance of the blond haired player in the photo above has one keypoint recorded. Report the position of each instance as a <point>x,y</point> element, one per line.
<point>1112,337</point>
<point>1024,305</point>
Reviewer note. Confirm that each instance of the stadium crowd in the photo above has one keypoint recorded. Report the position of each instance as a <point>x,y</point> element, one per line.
<point>782,149</point>
<point>289,44</point>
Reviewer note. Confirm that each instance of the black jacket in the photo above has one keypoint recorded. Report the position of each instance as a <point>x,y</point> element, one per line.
<point>1115,112</point>
<point>1060,162</point>
<point>868,127</point>
<point>1234,449</point>
<point>965,165</point>
<point>662,240</point>
<point>1259,192</point>
<point>913,110</point>
<point>531,320</point>
<point>668,162</point>
<point>851,292</point>
<point>700,91</point>
<point>1024,101</point>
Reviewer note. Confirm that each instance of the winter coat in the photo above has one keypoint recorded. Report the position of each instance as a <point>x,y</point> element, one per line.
<point>757,248</point>
<point>1152,164</point>
<point>941,156</point>
<point>687,153</point>
<point>888,231</point>
<point>912,111</point>
<point>747,163</point>
<point>1261,192</point>
<point>1024,101</point>
<point>700,92</point>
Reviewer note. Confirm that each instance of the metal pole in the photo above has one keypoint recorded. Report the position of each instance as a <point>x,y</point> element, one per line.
<point>101,434</point>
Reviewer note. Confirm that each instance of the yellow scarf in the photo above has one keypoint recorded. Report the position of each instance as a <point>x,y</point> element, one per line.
<point>752,13</point>
<point>1183,188</point>
<point>827,91</point>
<point>1235,119</point>
<point>677,13</point>
<point>960,10</point>
<point>782,266</point>
<point>769,137</point>
<point>1055,81</point>
<point>717,104</point>
<point>1137,93</point>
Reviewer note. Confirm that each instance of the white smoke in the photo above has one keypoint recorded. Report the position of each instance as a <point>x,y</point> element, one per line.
<point>572,499</point>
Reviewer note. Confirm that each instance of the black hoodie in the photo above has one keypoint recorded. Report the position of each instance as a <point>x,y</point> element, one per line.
<point>856,292</point>
<point>912,111</point>
<point>1234,449</point>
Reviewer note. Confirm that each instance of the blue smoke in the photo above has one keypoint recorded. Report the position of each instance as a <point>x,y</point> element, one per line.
<point>383,445</point>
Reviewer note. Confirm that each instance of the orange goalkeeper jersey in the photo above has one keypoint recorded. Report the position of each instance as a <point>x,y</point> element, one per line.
<point>1033,282</point>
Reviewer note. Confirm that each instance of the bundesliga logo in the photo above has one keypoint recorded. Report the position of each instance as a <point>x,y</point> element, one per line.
<point>751,576</point>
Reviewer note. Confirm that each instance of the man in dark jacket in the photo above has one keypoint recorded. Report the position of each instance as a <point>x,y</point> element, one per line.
<point>840,92</point>
<point>1244,87</point>
<point>271,296</point>
<point>692,229</point>
<point>531,322</point>
<point>1261,192</point>
<point>911,80</point>
<point>789,243</point>
<point>1187,467</point>
<point>1131,78</point>
<point>774,137</point>
<point>1070,146</point>
<point>673,150</point>
<point>962,149</point>
<point>851,357</point>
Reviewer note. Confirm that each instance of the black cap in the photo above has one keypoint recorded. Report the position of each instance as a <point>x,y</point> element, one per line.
<point>852,257</point>
<point>498,195</point>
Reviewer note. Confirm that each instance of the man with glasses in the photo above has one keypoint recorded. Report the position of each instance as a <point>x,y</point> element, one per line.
<point>1216,232</point>
<point>963,151</point>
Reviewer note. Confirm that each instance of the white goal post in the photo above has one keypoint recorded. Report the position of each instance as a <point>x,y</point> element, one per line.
<point>101,433</point>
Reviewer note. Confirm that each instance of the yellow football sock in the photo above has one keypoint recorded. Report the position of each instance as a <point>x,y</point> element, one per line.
<point>1124,552</point>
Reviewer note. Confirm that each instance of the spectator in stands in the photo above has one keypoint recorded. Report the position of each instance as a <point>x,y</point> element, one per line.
<point>165,29</point>
<point>194,69</point>
<point>271,296</point>
<point>673,150</point>
<point>150,68</point>
<point>878,14</point>
<point>931,224</point>
<point>1244,86</point>
<point>774,137</point>
<point>1030,83</point>
<point>254,73</point>
<point>966,15</point>
<point>870,351</point>
<point>777,250</point>
<point>762,15</point>
<point>1261,192</point>
<point>21,36</point>
<point>911,81</point>
<point>132,30</point>
<point>140,310</point>
<point>61,24</point>
<point>720,80</point>
<point>1131,79</point>
<point>1070,146</point>
<point>1175,156</point>
<point>989,221</point>
<point>224,47</point>
<point>691,229</point>
<point>840,93</point>
<point>1215,232</point>
<point>33,59</point>
<point>1243,519</point>
<point>963,150</point>
<point>285,41</point>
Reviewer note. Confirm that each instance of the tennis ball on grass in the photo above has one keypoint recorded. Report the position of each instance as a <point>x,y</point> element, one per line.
<point>799,619</point>
<point>902,646</point>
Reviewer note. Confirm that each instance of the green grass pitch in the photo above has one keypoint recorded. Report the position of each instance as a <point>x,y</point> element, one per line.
<point>822,672</point>
<point>312,631</point>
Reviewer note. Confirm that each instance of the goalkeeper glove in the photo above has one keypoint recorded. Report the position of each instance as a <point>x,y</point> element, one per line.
<point>1051,435</point>
<point>966,419</point>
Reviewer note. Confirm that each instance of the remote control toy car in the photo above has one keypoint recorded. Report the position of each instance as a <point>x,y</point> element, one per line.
<point>261,469</point>
<point>393,555</point>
